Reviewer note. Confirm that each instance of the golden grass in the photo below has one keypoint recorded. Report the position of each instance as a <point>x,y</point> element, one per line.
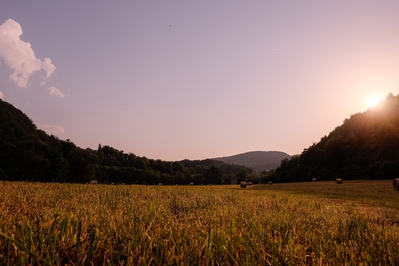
<point>65,224</point>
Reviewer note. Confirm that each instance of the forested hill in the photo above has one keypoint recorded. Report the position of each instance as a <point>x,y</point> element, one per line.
<point>257,160</point>
<point>365,146</point>
<point>29,154</point>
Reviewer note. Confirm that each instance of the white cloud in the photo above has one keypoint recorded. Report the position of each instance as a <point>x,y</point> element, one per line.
<point>19,55</point>
<point>48,66</point>
<point>54,130</point>
<point>55,92</point>
<point>1,95</point>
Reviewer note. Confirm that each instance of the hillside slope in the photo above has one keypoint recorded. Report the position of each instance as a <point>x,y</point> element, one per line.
<point>14,124</point>
<point>30,154</point>
<point>257,160</point>
<point>365,146</point>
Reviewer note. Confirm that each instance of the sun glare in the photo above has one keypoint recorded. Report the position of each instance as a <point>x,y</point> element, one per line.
<point>373,101</point>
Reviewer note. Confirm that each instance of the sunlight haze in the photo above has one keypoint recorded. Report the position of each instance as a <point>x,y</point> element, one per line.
<point>373,101</point>
<point>177,80</point>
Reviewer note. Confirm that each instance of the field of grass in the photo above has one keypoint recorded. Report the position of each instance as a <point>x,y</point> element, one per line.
<point>320,223</point>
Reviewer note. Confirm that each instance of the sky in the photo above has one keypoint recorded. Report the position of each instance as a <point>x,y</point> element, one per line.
<point>176,80</point>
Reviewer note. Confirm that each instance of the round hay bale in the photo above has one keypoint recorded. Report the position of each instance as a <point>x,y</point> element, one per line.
<point>191,184</point>
<point>243,184</point>
<point>314,179</point>
<point>249,183</point>
<point>338,180</point>
<point>270,182</point>
<point>159,184</point>
<point>396,184</point>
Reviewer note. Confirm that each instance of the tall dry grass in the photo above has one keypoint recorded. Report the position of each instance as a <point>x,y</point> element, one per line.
<point>65,224</point>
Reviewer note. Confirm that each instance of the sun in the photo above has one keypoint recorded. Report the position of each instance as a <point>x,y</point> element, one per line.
<point>373,101</point>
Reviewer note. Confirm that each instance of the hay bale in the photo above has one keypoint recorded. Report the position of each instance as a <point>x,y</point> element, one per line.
<point>249,183</point>
<point>270,182</point>
<point>159,184</point>
<point>243,184</point>
<point>191,184</point>
<point>396,184</point>
<point>314,179</point>
<point>93,182</point>
<point>338,180</point>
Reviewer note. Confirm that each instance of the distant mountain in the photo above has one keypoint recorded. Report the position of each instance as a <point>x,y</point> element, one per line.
<point>257,160</point>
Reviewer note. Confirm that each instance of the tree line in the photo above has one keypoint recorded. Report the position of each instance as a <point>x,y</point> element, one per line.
<point>30,154</point>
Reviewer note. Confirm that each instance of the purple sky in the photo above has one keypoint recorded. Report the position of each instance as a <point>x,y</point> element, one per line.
<point>196,79</point>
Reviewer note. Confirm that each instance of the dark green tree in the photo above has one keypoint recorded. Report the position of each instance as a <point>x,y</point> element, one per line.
<point>82,165</point>
<point>213,175</point>
<point>242,175</point>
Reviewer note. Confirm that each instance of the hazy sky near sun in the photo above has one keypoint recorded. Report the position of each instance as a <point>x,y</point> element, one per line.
<point>173,80</point>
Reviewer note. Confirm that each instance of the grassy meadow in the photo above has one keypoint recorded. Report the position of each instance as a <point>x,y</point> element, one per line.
<point>319,223</point>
